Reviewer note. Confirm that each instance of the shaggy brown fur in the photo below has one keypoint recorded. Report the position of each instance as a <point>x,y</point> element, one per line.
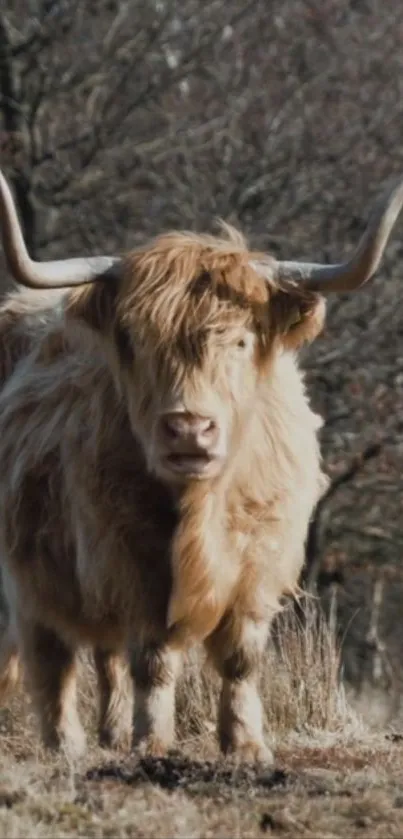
<point>101,545</point>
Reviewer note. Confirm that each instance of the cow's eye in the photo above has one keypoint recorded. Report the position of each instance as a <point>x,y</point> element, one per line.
<point>241,344</point>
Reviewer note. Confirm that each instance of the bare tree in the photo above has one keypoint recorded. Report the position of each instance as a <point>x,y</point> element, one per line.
<point>91,95</point>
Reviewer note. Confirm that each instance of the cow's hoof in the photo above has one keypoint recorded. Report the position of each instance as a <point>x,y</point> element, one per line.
<point>115,738</point>
<point>152,747</point>
<point>251,752</point>
<point>71,743</point>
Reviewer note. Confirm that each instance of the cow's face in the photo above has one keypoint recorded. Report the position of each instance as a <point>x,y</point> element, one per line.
<point>194,330</point>
<point>193,387</point>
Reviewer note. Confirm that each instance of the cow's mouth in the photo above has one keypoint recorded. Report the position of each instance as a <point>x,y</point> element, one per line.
<point>191,463</point>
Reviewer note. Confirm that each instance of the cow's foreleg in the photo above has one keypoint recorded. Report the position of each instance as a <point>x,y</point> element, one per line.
<point>116,711</point>
<point>154,671</point>
<point>236,649</point>
<point>51,672</point>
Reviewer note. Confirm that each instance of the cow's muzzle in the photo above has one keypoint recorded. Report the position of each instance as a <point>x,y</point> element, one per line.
<point>188,443</point>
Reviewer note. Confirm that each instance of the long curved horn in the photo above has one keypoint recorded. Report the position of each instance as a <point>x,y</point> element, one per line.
<point>350,275</point>
<point>62,273</point>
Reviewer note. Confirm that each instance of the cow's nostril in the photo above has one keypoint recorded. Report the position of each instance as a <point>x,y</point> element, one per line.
<point>180,426</point>
<point>207,427</point>
<point>170,428</point>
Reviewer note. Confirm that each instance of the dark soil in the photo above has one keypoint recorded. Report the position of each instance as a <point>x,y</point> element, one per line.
<point>196,777</point>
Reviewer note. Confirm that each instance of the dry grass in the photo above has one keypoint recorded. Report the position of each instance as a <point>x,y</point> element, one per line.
<point>301,686</point>
<point>330,774</point>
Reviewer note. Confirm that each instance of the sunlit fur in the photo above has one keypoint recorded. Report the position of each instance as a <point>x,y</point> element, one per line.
<point>101,544</point>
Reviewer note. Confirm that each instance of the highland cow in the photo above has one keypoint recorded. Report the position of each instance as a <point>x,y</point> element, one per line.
<point>159,465</point>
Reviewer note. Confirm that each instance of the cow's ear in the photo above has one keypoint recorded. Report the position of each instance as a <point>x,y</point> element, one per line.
<point>298,316</point>
<point>94,305</point>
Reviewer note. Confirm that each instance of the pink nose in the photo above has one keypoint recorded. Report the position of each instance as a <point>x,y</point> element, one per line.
<point>181,426</point>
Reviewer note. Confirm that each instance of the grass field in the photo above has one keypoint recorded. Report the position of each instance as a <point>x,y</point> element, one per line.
<point>332,777</point>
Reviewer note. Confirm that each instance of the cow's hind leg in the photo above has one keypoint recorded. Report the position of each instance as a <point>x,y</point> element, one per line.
<point>9,663</point>
<point>236,650</point>
<point>116,705</point>
<point>51,672</point>
<point>154,671</point>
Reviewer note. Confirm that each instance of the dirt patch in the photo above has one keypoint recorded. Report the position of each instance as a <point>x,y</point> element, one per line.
<point>194,777</point>
<point>314,773</point>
